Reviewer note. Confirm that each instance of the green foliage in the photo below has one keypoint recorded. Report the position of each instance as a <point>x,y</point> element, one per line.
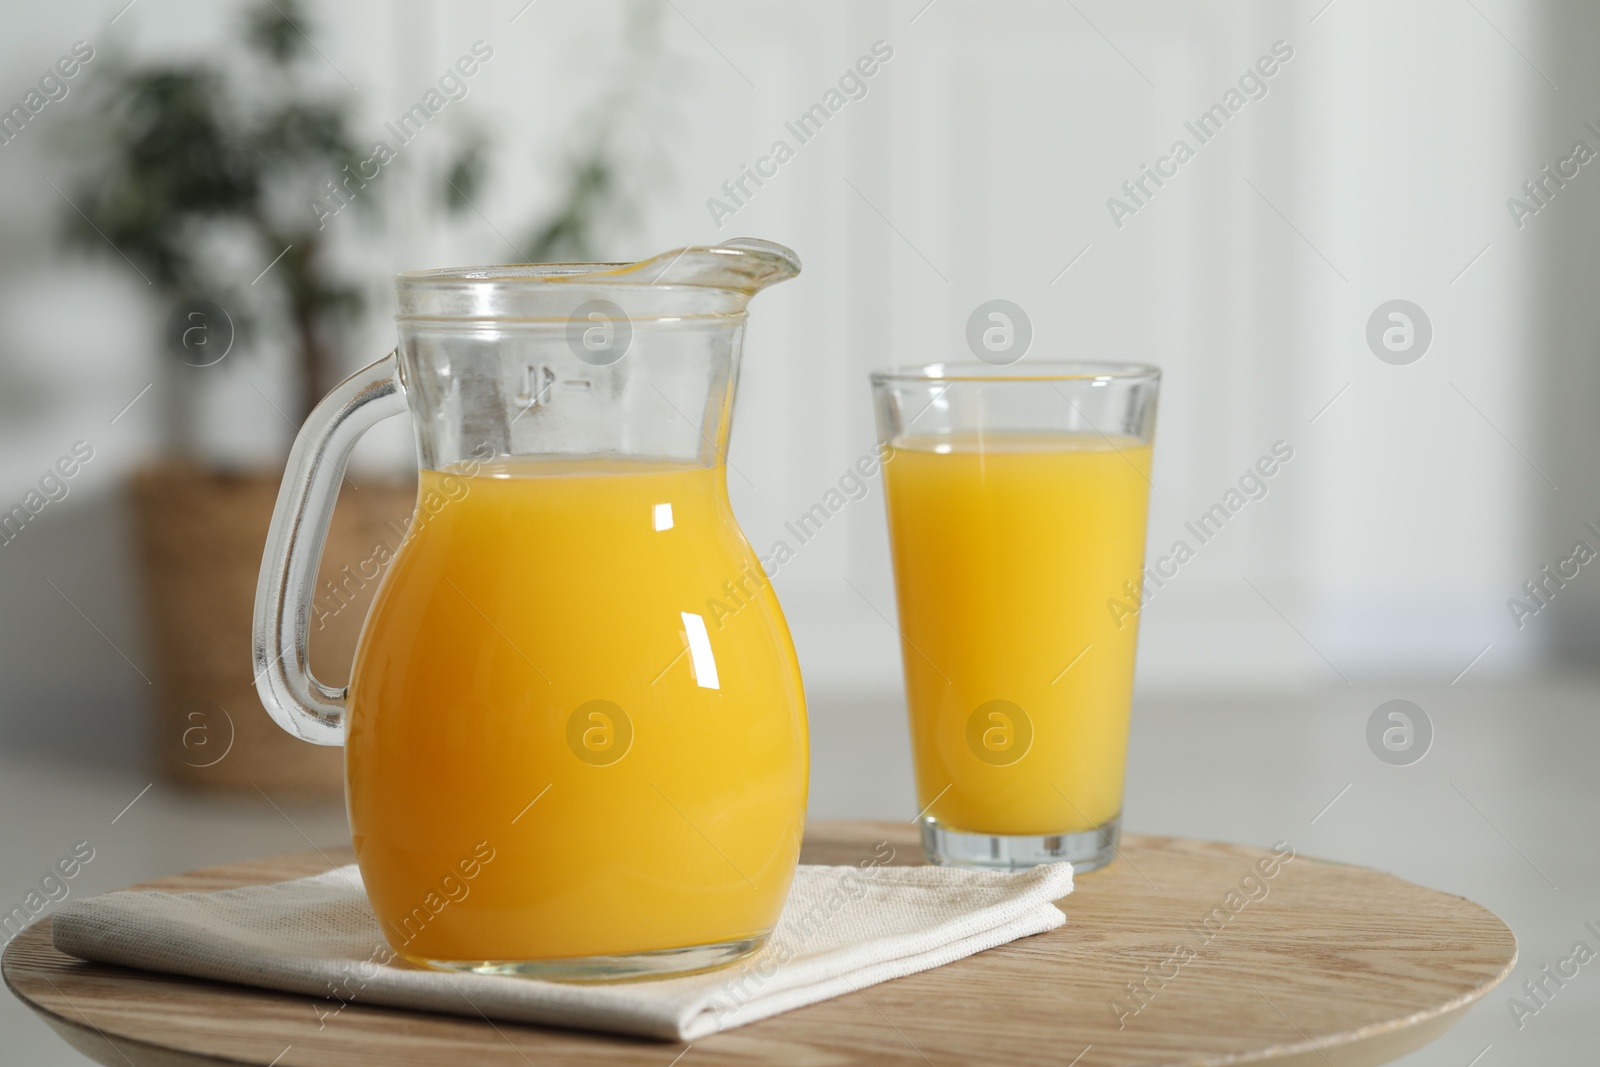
<point>605,182</point>
<point>465,176</point>
<point>214,152</point>
<point>174,159</point>
<point>185,157</point>
<point>570,233</point>
<point>274,31</point>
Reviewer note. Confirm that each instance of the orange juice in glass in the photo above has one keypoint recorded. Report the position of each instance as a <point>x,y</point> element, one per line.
<point>1017,500</point>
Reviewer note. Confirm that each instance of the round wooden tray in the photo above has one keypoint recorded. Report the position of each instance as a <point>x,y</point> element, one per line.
<point>1334,966</point>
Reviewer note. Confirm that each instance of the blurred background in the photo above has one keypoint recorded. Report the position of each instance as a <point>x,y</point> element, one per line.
<point>1379,254</point>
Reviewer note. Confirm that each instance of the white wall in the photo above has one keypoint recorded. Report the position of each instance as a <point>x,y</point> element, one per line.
<point>1376,168</point>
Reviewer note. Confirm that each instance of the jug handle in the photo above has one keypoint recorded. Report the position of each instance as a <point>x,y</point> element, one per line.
<point>281,638</point>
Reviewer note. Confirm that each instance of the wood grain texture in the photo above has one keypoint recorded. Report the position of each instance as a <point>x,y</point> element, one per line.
<point>1335,965</point>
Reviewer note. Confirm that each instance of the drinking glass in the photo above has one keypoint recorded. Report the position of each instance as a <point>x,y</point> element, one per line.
<point>1017,498</point>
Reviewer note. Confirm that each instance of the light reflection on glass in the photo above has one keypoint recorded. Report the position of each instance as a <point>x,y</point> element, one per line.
<point>701,662</point>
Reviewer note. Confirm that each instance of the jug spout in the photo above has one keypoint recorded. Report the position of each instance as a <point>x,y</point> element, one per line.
<point>744,264</point>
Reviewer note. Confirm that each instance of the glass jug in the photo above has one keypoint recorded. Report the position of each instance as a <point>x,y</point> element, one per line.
<point>565,757</point>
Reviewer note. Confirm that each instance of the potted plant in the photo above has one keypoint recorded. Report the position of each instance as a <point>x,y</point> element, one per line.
<point>192,179</point>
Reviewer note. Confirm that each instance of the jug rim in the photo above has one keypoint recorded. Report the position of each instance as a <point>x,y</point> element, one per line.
<point>505,272</point>
<point>695,281</point>
<point>746,263</point>
<point>1037,371</point>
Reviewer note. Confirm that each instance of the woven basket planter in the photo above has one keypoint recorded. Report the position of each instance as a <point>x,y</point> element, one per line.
<point>200,537</point>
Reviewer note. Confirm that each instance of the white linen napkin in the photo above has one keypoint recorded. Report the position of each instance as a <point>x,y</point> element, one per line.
<point>843,928</point>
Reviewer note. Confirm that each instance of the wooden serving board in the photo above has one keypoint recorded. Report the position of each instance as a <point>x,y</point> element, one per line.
<point>1320,965</point>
